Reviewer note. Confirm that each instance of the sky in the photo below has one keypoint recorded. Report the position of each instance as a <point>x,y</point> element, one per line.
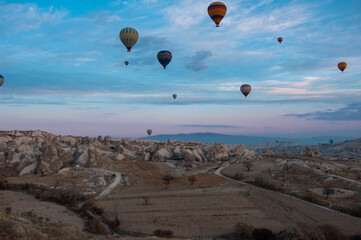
<point>64,70</point>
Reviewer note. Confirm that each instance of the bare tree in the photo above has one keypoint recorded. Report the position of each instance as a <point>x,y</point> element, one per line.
<point>167,179</point>
<point>328,191</point>
<point>248,165</point>
<point>188,166</point>
<point>192,179</point>
<point>146,200</point>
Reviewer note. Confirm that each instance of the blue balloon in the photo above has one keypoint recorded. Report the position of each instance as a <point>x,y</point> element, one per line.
<point>164,57</point>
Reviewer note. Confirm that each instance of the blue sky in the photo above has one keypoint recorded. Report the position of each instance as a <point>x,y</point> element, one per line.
<point>64,69</point>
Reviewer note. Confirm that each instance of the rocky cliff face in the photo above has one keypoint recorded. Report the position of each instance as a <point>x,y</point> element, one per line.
<point>42,153</point>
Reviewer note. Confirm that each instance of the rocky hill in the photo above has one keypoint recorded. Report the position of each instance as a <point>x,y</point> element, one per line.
<point>42,153</point>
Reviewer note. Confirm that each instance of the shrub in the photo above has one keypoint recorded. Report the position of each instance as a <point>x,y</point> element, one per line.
<point>261,182</point>
<point>331,232</point>
<point>238,176</point>
<point>242,231</point>
<point>263,234</point>
<point>95,226</point>
<point>355,237</point>
<point>356,210</point>
<point>8,210</point>
<point>192,179</point>
<point>163,233</point>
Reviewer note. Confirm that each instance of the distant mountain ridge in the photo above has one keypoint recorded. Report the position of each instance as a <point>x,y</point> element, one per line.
<point>246,140</point>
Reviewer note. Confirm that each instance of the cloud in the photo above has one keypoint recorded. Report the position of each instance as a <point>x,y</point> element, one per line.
<point>197,61</point>
<point>208,126</point>
<point>187,14</point>
<point>24,17</point>
<point>351,112</point>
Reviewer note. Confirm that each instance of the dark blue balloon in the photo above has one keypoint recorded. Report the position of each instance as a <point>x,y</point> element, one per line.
<point>164,57</point>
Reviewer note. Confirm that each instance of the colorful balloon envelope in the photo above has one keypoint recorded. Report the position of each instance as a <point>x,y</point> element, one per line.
<point>129,36</point>
<point>1,80</point>
<point>342,66</point>
<point>164,57</point>
<point>217,11</point>
<point>245,89</point>
<point>149,131</point>
<point>126,63</point>
<point>279,39</point>
<point>174,96</point>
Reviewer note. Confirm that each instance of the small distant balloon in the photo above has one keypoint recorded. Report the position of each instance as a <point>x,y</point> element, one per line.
<point>126,63</point>
<point>331,141</point>
<point>149,131</point>
<point>342,66</point>
<point>1,80</point>
<point>129,36</point>
<point>279,39</point>
<point>217,11</point>
<point>164,57</point>
<point>245,89</point>
<point>174,96</point>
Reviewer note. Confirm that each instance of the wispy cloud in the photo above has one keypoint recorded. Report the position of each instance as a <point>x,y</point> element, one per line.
<point>208,126</point>
<point>197,61</point>
<point>24,17</point>
<point>350,112</point>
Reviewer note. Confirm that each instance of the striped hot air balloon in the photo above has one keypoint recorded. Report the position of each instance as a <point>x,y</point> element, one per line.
<point>342,66</point>
<point>129,36</point>
<point>1,80</point>
<point>245,89</point>
<point>164,57</point>
<point>217,10</point>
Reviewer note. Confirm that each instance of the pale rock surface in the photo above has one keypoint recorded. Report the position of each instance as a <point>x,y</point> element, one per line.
<point>161,155</point>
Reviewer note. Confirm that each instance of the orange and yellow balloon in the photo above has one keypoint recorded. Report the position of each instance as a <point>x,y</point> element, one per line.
<point>129,36</point>
<point>342,66</point>
<point>217,11</point>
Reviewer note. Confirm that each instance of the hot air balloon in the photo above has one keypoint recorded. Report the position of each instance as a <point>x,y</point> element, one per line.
<point>149,131</point>
<point>245,89</point>
<point>217,10</point>
<point>126,63</point>
<point>1,80</point>
<point>164,57</point>
<point>129,36</point>
<point>174,96</point>
<point>331,141</point>
<point>342,66</point>
<point>279,39</point>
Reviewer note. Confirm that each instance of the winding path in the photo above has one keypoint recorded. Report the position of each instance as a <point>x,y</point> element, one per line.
<point>265,191</point>
<point>118,178</point>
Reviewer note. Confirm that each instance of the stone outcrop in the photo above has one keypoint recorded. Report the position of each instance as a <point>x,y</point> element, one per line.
<point>42,153</point>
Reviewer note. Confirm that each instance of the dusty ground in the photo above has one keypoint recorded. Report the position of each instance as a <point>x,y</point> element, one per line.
<point>213,207</point>
<point>23,203</point>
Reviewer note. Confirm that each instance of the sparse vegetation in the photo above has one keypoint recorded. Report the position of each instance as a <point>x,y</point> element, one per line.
<point>263,234</point>
<point>327,190</point>
<point>95,226</point>
<point>248,165</point>
<point>261,182</point>
<point>242,231</point>
<point>163,233</point>
<point>238,176</point>
<point>167,179</point>
<point>192,179</point>
<point>146,200</point>
<point>356,210</point>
